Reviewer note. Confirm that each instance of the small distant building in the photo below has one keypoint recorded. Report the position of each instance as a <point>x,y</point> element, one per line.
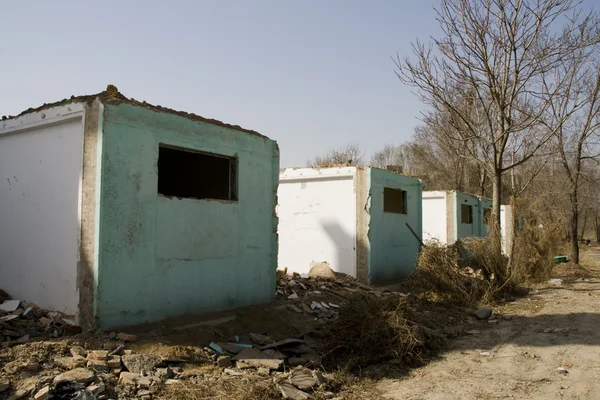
<point>452,215</point>
<point>355,218</point>
<point>117,212</point>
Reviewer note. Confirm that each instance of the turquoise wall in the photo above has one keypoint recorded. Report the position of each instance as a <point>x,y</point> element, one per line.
<point>393,249</point>
<point>161,257</point>
<point>466,230</point>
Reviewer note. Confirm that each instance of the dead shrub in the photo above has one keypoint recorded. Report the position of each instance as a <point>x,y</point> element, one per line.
<point>373,329</point>
<point>537,239</point>
<point>466,273</point>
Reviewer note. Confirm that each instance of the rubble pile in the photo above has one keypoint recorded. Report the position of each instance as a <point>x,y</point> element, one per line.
<point>309,294</point>
<point>107,368</point>
<point>21,321</point>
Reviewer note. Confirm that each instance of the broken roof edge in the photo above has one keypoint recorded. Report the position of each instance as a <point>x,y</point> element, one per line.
<point>112,96</point>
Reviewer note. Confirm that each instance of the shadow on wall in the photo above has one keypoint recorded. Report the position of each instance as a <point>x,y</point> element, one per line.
<point>345,248</point>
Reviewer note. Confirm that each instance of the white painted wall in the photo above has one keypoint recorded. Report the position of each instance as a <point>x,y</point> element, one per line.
<point>434,217</point>
<point>317,218</point>
<point>507,237</point>
<point>40,176</point>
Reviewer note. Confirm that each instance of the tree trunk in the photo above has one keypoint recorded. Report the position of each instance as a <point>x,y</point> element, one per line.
<point>496,196</point>
<point>574,228</point>
<point>597,227</point>
<point>583,225</point>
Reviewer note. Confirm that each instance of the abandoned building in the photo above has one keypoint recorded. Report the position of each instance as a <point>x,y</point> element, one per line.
<point>356,219</point>
<point>452,215</point>
<point>118,212</point>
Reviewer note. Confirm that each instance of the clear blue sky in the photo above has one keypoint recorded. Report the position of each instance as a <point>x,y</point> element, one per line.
<point>310,74</point>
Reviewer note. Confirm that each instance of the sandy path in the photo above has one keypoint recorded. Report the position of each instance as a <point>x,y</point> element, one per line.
<point>556,326</point>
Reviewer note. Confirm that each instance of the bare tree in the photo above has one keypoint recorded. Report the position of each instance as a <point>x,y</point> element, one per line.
<point>390,155</point>
<point>349,154</point>
<point>572,90</point>
<point>485,73</point>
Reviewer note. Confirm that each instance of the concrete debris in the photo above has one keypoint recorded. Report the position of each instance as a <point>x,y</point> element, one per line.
<point>141,363</point>
<point>10,305</point>
<point>125,337</point>
<point>69,363</point>
<point>321,271</point>
<point>128,378</point>
<point>249,358</point>
<point>562,370</point>
<point>484,313</point>
<point>293,296</point>
<point>78,375</point>
<point>42,394</point>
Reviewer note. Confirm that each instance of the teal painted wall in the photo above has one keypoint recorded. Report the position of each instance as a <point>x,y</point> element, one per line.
<point>393,249</point>
<point>161,257</point>
<point>483,204</point>
<point>466,230</point>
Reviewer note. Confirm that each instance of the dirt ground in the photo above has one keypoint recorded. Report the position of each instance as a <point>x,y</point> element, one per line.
<point>519,357</point>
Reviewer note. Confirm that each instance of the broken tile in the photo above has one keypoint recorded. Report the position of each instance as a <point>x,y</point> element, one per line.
<point>216,348</point>
<point>10,305</point>
<point>293,296</point>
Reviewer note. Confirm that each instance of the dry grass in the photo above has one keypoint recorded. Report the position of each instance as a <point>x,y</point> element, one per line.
<point>371,330</point>
<point>212,384</point>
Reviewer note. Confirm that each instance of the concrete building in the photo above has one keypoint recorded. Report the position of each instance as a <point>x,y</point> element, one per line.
<point>353,218</point>
<point>452,215</point>
<point>117,212</point>
<point>507,228</point>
